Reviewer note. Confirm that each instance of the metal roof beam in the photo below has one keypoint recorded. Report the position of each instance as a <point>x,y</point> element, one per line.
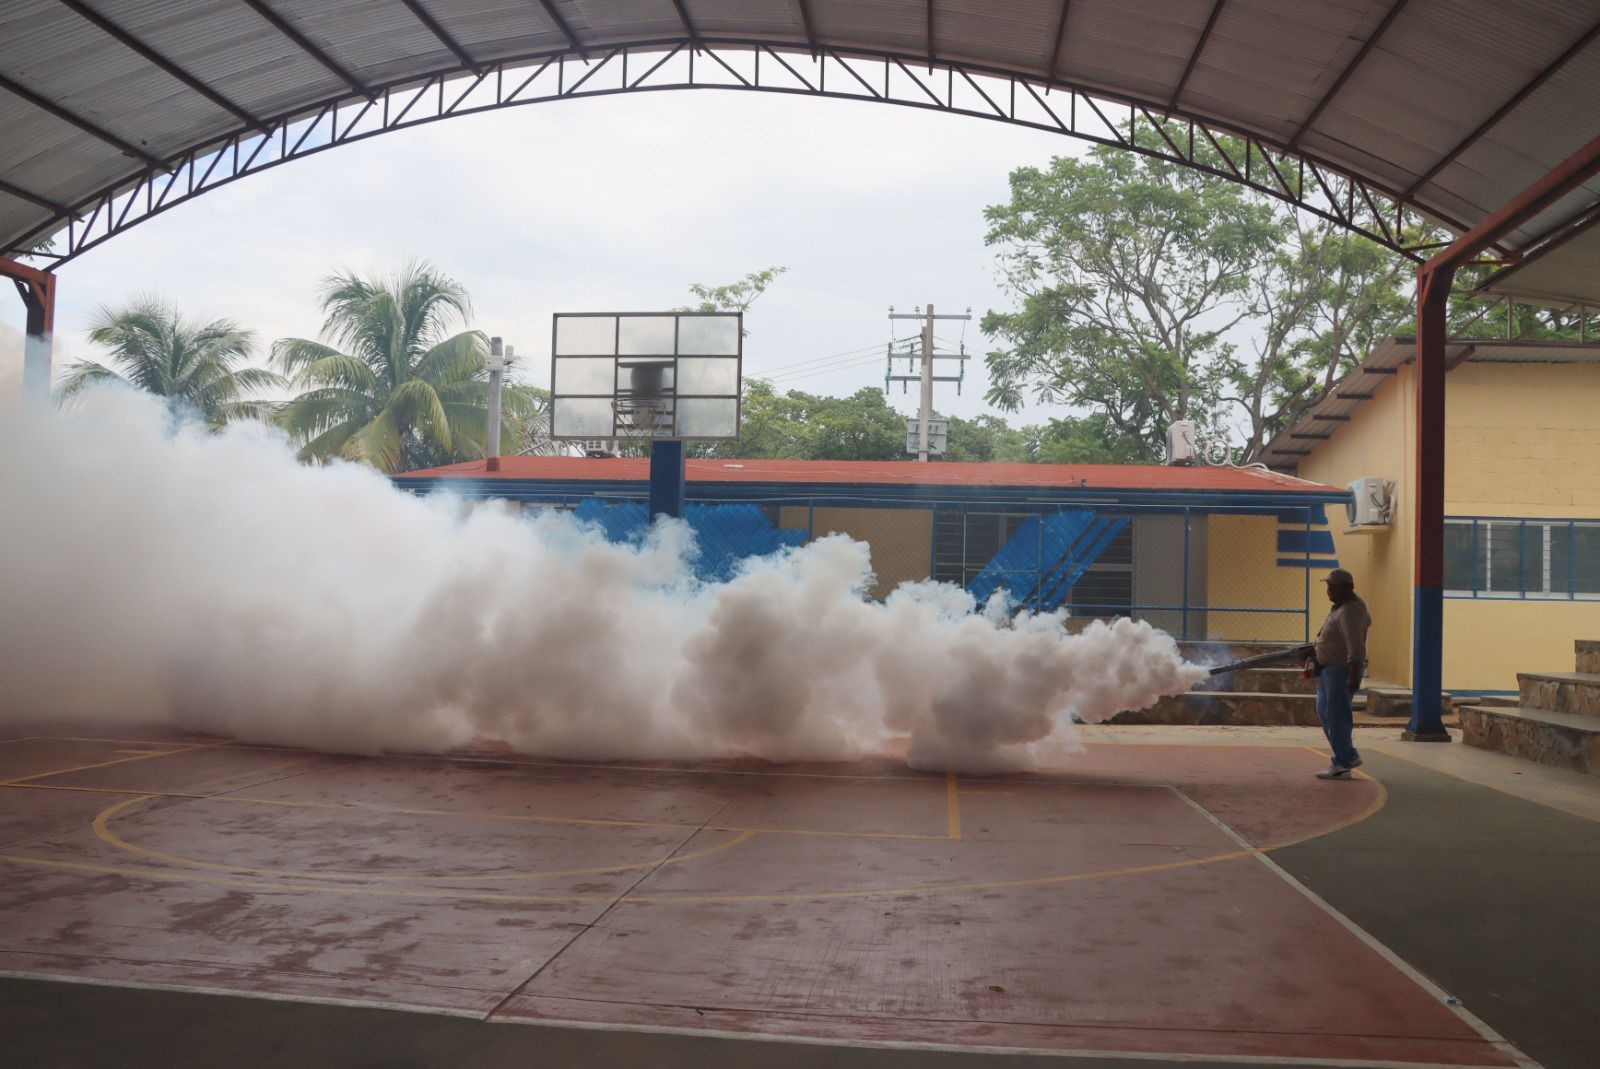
<point>282,26</point>
<point>1350,68</point>
<point>31,198</point>
<point>1505,109</point>
<point>443,36</point>
<point>1545,245</point>
<point>930,31</point>
<point>77,120</point>
<point>688,23</point>
<point>1194,54</point>
<point>1061,32</point>
<point>565,30</point>
<point>150,54</point>
<point>806,23</point>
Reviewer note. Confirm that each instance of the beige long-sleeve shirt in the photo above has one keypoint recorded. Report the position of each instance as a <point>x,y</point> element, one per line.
<point>1343,638</point>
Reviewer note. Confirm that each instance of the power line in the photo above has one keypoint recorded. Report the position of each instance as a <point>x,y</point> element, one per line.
<point>822,359</point>
<point>809,373</point>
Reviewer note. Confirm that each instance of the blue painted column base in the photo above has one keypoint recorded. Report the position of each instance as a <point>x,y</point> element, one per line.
<point>667,479</point>
<point>1427,668</point>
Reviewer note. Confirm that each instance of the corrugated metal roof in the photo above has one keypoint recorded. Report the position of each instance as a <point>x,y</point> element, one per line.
<point>1391,108</point>
<point>892,473</point>
<point>1285,451</point>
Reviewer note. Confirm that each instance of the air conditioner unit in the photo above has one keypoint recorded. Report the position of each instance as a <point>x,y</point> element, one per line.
<point>1369,502</point>
<point>1181,442</point>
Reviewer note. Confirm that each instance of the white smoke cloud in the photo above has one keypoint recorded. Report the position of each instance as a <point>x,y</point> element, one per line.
<point>152,571</point>
<point>11,347</point>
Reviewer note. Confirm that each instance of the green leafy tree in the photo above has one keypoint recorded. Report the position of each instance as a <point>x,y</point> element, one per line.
<point>986,438</point>
<point>1148,292</point>
<point>197,367</point>
<point>1317,305</point>
<point>735,296</point>
<point>533,426</point>
<point>803,426</point>
<point>390,385</point>
<point>1091,439</point>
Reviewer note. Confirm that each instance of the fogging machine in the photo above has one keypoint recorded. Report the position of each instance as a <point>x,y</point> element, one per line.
<point>1293,653</point>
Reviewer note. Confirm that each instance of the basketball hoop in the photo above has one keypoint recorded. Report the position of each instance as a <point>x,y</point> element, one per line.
<point>642,417</point>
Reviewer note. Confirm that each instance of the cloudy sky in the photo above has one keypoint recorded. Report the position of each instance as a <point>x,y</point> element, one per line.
<point>607,204</point>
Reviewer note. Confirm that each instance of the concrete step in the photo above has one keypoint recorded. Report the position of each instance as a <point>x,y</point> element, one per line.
<point>1250,708</point>
<point>1587,654</point>
<point>1262,681</point>
<point>1227,707</point>
<point>1561,692</point>
<point>1394,702</point>
<point>1560,740</point>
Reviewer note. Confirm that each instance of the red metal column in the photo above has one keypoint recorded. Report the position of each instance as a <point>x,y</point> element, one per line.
<point>1433,291</point>
<point>38,291</point>
<point>1427,607</point>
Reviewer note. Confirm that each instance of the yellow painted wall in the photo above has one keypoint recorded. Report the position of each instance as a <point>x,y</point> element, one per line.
<point>1242,571</point>
<point>1520,440</point>
<point>1523,440</point>
<point>1376,441</point>
<point>901,539</point>
<point>1487,642</point>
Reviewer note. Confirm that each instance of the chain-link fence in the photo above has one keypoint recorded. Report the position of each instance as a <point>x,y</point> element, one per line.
<point>1220,573</point>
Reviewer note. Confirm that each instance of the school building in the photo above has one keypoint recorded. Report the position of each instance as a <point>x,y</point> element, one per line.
<point>1522,502</point>
<point>1203,552</point>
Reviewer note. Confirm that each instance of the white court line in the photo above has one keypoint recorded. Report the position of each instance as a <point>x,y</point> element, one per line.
<point>1472,1020</point>
<point>959,1048</point>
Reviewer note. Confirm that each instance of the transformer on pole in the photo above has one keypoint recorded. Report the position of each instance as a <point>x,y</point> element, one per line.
<point>927,440</point>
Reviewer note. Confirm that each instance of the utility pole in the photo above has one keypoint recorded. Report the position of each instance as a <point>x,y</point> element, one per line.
<point>926,377</point>
<point>498,360</point>
<point>926,409</point>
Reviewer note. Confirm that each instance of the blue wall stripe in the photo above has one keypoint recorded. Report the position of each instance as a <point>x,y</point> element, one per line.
<point>1293,541</point>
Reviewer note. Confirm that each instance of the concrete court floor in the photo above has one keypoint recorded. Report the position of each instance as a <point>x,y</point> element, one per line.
<point>1145,903</point>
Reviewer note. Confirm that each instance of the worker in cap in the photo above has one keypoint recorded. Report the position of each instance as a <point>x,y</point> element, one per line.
<point>1339,660</point>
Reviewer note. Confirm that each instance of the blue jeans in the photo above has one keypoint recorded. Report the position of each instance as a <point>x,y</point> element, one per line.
<point>1333,709</point>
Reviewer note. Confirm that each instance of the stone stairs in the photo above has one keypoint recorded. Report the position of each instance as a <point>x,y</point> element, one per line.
<point>1265,696</point>
<point>1557,720</point>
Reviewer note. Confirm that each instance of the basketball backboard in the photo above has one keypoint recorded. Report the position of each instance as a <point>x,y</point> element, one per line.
<point>659,375</point>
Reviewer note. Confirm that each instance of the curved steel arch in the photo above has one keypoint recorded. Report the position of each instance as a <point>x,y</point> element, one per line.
<point>1297,178</point>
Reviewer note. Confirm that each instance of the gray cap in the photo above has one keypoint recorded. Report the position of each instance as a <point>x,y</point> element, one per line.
<point>1339,577</point>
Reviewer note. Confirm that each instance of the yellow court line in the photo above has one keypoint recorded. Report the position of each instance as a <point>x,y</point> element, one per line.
<point>102,830</point>
<point>92,738</point>
<point>952,803</point>
<point>870,892</point>
<point>119,761</point>
<point>786,896</point>
<point>489,896</point>
<point>100,790</point>
<point>524,818</point>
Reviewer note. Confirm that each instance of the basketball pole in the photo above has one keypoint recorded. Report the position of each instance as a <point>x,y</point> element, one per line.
<point>668,475</point>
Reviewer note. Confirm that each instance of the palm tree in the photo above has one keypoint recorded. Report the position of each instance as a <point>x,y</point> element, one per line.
<point>388,385</point>
<point>195,366</point>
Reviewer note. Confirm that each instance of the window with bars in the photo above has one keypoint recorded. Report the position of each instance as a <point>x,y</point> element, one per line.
<point>1106,589</point>
<point>966,541</point>
<point>1521,558</point>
